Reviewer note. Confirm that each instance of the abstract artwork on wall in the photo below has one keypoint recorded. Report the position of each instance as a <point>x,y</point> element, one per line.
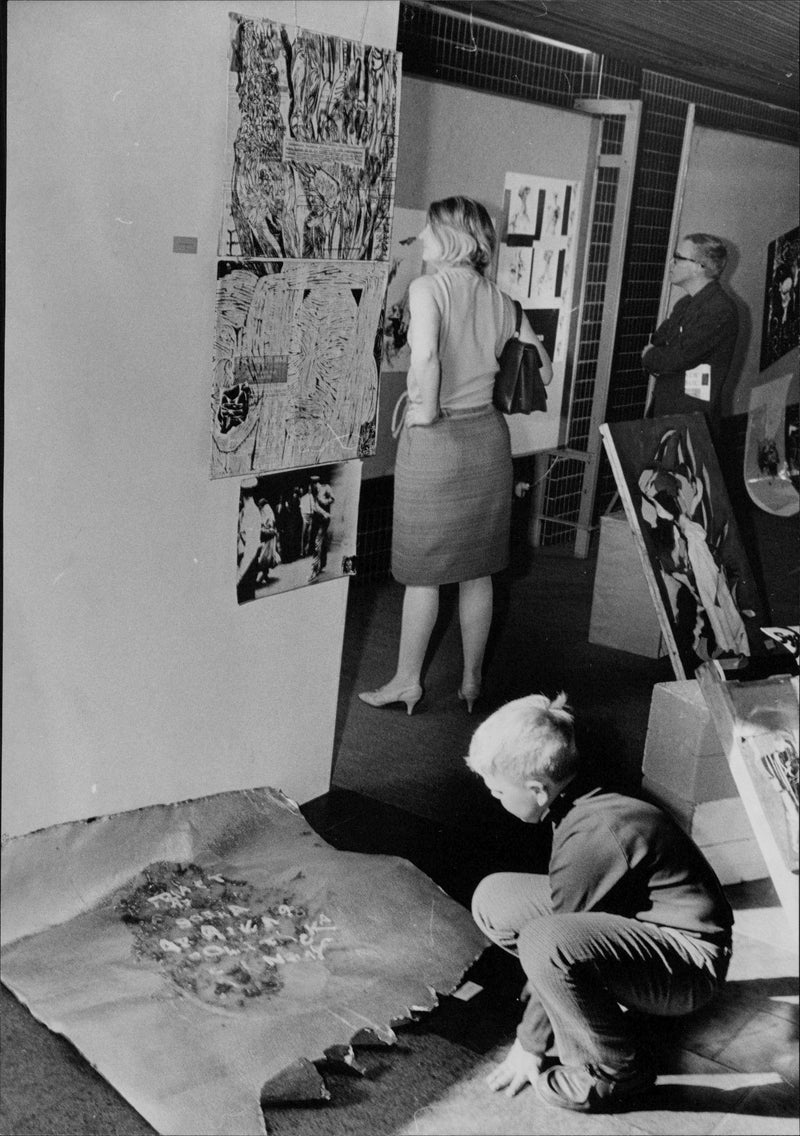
<point>695,564</point>
<point>312,145</point>
<point>535,263</point>
<point>296,528</point>
<point>296,356</point>
<point>536,266</point>
<point>194,952</point>
<point>780,331</point>
<point>405,265</point>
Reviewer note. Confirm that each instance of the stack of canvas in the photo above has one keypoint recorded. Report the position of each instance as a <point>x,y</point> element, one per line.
<point>686,771</point>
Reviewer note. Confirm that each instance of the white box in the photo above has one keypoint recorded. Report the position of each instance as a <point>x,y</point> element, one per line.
<point>623,614</point>
<point>682,751</point>
<point>720,829</point>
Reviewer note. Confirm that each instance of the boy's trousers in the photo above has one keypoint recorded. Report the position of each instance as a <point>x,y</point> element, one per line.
<point>582,965</point>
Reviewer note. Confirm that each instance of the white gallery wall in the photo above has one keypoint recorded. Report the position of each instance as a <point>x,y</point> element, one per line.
<point>131,675</point>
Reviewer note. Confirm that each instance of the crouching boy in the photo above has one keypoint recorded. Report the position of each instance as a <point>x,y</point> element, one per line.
<point>629,915</point>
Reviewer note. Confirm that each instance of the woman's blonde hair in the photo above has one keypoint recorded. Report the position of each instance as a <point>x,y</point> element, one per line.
<point>530,737</point>
<point>464,232</point>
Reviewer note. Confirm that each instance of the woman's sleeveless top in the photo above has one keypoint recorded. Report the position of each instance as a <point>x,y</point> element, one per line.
<point>476,321</point>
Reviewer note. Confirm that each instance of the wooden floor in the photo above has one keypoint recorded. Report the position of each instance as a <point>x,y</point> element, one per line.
<point>400,787</point>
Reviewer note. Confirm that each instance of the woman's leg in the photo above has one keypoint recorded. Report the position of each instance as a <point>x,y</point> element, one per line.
<point>475,617</point>
<point>420,609</point>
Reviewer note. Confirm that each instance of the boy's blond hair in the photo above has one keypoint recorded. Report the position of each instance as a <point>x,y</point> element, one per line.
<point>528,738</point>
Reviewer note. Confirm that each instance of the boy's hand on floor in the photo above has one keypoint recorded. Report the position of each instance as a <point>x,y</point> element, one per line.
<point>519,1069</point>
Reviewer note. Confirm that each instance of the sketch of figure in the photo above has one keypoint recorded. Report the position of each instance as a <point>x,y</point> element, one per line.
<point>514,269</point>
<point>544,281</point>
<point>521,221</point>
<point>555,216</point>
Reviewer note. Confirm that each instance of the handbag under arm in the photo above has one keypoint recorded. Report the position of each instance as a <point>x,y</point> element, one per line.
<point>518,386</point>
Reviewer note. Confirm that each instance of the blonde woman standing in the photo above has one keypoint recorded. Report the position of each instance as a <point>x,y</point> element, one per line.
<point>453,473</point>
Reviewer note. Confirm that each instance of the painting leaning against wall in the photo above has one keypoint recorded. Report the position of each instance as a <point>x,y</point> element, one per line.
<point>692,555</point>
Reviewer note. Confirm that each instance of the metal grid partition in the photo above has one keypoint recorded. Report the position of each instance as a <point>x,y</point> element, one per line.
<point>484,56</point>
<point>479,55</point>
<point>374,538</point>
<point>563,503</point>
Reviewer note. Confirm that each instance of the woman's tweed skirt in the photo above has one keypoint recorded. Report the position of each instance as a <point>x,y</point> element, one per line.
<point>453,485</point>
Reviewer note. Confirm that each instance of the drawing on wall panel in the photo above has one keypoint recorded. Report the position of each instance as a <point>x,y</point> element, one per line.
<point>295,363</point>
<point>536,257</point>
<point>538,242</point>
<point>296,528</point>
<point>312,145</point>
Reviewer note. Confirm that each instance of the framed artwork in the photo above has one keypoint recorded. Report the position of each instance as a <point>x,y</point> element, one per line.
<point>311,145</point>
<point>296,528</point>
<point>757,726</point>
<point>295,363</point>
<point>693,558</point>
<point>780,332</point>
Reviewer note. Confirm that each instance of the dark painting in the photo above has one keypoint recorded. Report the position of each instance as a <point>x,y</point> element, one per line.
<point>779,333</point>
<point>696,566</point>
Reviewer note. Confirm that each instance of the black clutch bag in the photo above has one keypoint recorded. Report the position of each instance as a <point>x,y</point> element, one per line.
<point>518,386</point>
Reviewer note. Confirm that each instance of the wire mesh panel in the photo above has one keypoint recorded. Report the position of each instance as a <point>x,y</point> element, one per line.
<point>374,542</point>
<point>477,54</point>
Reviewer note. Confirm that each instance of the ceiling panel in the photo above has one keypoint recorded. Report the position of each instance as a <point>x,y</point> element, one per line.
<point>748,48</point>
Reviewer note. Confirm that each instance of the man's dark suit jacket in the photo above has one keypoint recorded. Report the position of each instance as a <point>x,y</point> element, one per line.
<point>700,329</point>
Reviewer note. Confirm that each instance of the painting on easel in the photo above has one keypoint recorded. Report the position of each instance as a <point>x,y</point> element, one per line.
<point>695,564</point>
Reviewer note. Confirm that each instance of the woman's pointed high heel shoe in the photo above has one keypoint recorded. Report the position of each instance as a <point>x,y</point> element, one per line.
<point>469,693</point>
<point>386,695</point>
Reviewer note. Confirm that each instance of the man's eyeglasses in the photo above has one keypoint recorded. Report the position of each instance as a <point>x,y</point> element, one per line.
<point>677,256</point>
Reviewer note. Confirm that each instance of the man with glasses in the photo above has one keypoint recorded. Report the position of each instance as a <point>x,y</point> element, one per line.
<point>689,354</point>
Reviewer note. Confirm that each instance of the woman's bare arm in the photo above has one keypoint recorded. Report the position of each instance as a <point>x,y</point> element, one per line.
<point>425,370</point>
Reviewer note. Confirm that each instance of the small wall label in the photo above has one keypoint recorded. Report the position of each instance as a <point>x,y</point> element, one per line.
<point>184,244</point>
